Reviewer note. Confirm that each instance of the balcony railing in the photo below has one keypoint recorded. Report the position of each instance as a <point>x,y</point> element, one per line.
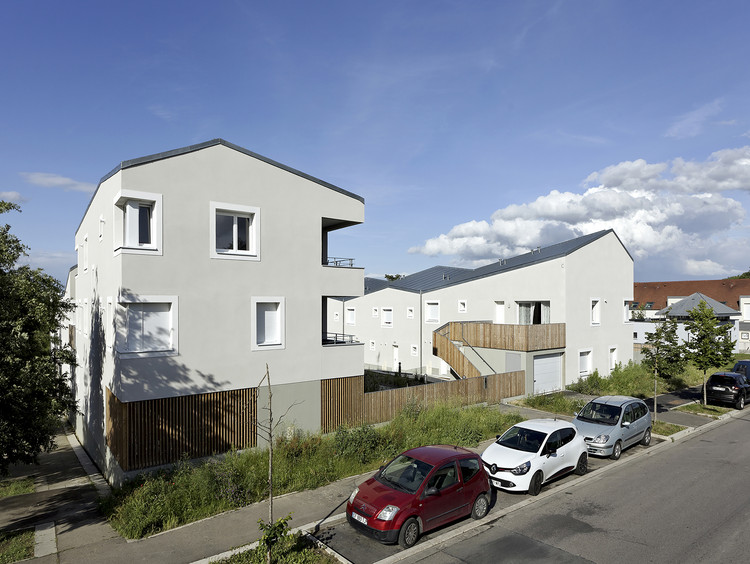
<point>338,261</point>
<point>339,339</point>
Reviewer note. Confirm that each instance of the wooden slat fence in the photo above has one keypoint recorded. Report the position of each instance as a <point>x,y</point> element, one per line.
<point>341,402</point>
<point>148,433</point>
<point>384,406</point>
<point>443,347</point>
<point>509,337</point>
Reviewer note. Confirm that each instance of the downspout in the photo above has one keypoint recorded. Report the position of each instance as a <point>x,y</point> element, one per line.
<point>421,355</point>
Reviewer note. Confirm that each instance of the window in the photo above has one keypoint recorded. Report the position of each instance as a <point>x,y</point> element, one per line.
<point>444,477</point>
<point>149,327</point>
<point>533,313</point>
<point>461,306</point>
<point>409,313</point>
<point>596,311</point>
<point>387,319</point>
<point>374,312</point>
<point>432,312</point>
<point>372,345</point>
<point>138,226</point>
<point>414,350</point>
<point>626,317</point>
<point>101,227</point>
<point>351,317</point>
<point>336,316</point>
<point>469,468</point>
<point>584,362</point>
<point>234,231</point>
<point>612,358</point>
<point>268,323</point>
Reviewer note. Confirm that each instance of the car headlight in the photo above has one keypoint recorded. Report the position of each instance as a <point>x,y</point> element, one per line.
<point>388,513</point>
<point>354,494</point>
<point>522,469</point>
<point>601,439</point>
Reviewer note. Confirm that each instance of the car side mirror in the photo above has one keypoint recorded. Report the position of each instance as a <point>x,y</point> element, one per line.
<point>431,491</point>
<point>550,451</point>
<point>626,424</point>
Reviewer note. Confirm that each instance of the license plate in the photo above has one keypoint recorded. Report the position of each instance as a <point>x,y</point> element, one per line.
<point>359,518</point>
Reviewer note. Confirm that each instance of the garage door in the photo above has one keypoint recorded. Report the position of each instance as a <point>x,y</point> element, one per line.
<point>547,373</point>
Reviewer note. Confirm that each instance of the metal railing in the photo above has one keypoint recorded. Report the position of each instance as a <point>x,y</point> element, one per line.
<point>339,339</point>
<point>339,261</point>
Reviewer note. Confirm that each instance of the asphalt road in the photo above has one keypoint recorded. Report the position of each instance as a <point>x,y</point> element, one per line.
<point>686,503</point>
<point>360,549</point>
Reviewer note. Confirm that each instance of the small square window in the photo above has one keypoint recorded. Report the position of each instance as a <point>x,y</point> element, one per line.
<point>235,231</point>
<point>375,312</point>
<point>461,306</point>
<point>268,323</point>
<point>138,224</point>
<point>148,327</point>
<point>409,313</point>
<point>372,345</point>
<point>414,350</point>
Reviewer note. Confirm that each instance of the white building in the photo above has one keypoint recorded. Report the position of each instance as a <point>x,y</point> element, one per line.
<point>582,286</point>
<point>197,268</point>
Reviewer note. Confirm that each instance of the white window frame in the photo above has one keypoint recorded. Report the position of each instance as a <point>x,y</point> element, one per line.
<point>386,319</point>
<point>427,304</point>
<point>595,306</point>
<point>414,350</point>
<point>336,316</point>
<point>236,210</point>
<point>351,316</point>
<point>102,221</point>
<point>278,344</point>
<point>462,306</point>
<point>612,358</point>
<point>122,333</point>
<point>125,200</point>
<point>588,355</point>
<point>375,312</point>
<point>410,312</point>
<point>372,345</point>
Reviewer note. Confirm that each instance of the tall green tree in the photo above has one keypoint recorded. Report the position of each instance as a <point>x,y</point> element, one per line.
<point>664,354</point>
<point>711,343</point>
<point>34,392</point>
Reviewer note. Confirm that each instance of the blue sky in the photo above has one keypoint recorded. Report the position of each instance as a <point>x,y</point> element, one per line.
<point>474,130</point>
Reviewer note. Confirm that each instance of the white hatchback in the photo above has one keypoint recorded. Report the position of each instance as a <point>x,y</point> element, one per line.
<point>534,452</point>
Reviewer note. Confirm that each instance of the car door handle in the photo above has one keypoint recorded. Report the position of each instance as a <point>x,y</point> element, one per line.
<point>460,489</point>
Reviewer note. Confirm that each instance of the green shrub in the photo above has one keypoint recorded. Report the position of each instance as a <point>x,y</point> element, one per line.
<point>555,403</point>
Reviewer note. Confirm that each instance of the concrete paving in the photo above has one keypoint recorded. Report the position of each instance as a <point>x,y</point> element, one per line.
<point>64,508</point>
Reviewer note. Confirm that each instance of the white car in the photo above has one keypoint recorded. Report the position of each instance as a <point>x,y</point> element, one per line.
<point>534,452</point>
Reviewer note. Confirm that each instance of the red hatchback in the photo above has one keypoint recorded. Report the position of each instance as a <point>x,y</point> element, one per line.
<point>419,490</point>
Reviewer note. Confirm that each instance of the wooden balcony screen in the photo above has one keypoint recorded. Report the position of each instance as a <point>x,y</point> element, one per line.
<point>341,402</point>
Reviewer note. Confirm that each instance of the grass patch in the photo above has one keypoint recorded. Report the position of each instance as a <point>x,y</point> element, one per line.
<point>16,486</point>
<point>186,493</point>
<point>297,549</point>
<point>665,429</point>
<point>555,403</point>
<point>16,545</point>
<point>709,410</point>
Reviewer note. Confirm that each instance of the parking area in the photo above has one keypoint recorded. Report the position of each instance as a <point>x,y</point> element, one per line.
<point>360,549</point>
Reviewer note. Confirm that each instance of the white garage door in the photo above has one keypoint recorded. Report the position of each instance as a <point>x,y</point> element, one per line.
<point>547,373</point>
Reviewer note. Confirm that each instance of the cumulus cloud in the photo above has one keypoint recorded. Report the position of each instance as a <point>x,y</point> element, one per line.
<point>678,212</point>
<point>12,197</point>
<point>50,180</point>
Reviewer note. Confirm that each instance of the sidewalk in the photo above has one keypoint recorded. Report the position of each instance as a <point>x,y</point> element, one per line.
<point>70,528</point>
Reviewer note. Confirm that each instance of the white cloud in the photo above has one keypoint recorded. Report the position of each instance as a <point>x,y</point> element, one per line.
<point>691,124</point>
<point>12,197</point>
<point>678,212</point>
<point>54,263</point>
<point>50,180</point>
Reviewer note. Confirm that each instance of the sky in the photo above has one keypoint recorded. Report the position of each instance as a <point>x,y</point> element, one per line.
<point>474,130</point>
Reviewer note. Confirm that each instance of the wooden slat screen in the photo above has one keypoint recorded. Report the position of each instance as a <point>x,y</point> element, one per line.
<point>341,402</point>
<point>509,337</point>
<point>149,433</point>
<point>385,405</point>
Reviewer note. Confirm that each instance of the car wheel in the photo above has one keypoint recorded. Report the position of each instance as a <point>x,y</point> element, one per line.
<point>583,464</point>
<point>409,533</point>
<point>646,440</point>
<point>481,507</point>
<point>740,403</point>
<point>535,486</point>
<point>616,451</point>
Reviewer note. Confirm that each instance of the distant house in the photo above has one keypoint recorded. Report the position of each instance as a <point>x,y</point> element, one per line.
<point>651,297</point>
<point>558,313</point>
<point>197,269</point>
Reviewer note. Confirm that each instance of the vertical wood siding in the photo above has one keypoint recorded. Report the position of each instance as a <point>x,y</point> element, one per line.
<point>341,402</point>
<point>149,433</point>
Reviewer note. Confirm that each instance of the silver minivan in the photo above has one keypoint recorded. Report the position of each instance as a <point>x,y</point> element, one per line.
<point>611,423</point>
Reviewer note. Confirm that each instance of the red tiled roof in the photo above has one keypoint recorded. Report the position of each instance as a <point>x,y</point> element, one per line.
<point>726,291</point>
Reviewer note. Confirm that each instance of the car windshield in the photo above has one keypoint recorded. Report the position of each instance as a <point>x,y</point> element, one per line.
<point>600,413</point>
<point>520,438</point>
<point>405,473</point>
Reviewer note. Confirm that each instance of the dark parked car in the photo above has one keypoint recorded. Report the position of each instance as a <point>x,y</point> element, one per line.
<point>741,367</point>
<point>421,489</point>
<point>728,387</point>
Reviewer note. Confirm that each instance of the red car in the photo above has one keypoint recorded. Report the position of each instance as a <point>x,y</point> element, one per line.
<point>419,490</point>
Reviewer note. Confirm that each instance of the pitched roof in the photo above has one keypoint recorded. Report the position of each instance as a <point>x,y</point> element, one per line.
<point>685,305</point>
<point>444,276</point>
<point>724,291</point>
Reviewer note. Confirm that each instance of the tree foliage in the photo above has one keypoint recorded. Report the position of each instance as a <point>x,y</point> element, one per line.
<point>740,276</point>
<point>664,354</point>
<point>710,344</point>
<point>393,277</point>
<point>34,393</point>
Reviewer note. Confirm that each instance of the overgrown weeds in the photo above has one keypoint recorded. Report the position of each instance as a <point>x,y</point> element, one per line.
<point>16,545</point>
<point>555,403</point>
<point>186,493</point>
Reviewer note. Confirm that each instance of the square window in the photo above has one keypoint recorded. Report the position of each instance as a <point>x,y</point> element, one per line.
<point>372,345</point>
<point>234,231</point>
<point>268,323</point>
<point>138,225</point>
<point>374,312</point>
<point>148,327</point>
<point>461,306</point>
<point>409,313</point>
<point>414,350</point>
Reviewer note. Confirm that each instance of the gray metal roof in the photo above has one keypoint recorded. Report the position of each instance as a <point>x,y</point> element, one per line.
<point>191,148</point>
<point>444,276</point>
<point>685,305</point>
